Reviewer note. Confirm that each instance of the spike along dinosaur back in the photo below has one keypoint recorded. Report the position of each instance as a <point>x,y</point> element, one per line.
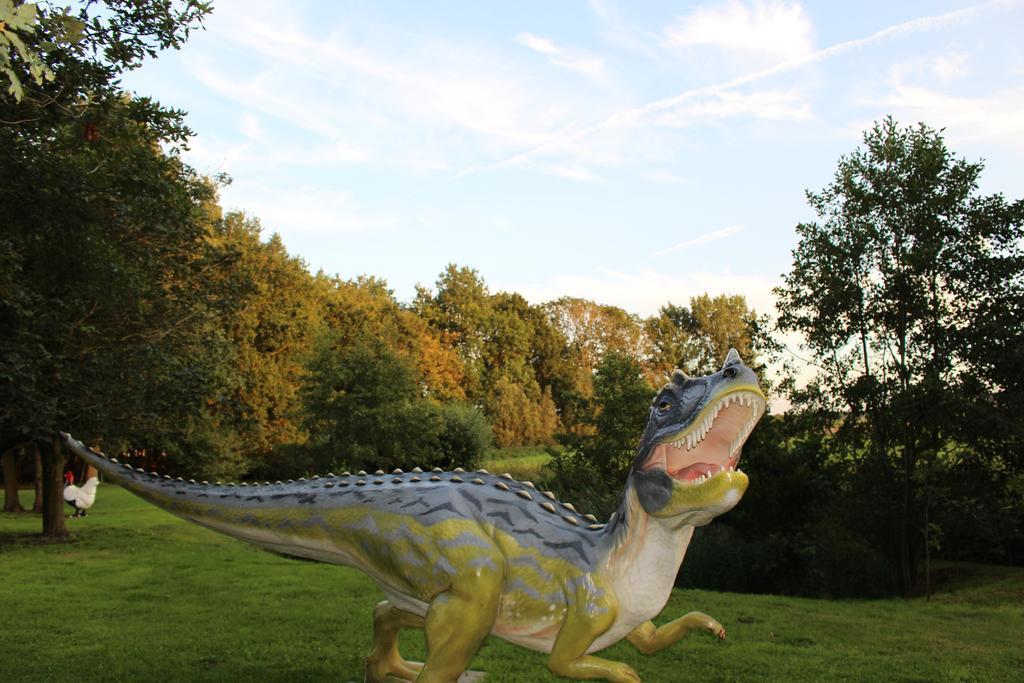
<point>463,555</point>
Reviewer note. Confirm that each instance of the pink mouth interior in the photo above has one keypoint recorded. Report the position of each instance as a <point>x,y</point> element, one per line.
<point>710,455</point>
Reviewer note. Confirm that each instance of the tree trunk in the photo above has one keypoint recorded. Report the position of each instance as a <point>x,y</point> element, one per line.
<point>53,457</point>
<point>10,465</point>
<point>907,578</point>
<point>37,504</point>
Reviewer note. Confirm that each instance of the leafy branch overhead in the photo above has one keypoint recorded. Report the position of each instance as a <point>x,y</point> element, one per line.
<point>18,23</point>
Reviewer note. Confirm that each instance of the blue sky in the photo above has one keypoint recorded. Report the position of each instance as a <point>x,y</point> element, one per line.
<point>631,153</point>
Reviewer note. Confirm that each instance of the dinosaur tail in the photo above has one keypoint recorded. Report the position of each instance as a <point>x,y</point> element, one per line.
<point>224,508</point>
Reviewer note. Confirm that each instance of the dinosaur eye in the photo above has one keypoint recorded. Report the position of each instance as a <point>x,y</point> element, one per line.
<point>664,406</point>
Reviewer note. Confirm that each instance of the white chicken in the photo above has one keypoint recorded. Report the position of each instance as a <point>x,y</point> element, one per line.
<point>81,497</point>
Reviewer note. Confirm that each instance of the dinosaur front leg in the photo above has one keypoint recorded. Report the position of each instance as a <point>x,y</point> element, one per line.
<point>569,656</point>
<point>457,622</point>
<point>384,659</point>
<point>649,639</point>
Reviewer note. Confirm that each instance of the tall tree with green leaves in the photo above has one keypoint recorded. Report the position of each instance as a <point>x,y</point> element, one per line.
<point>890,289</point>
<point>597,459</point>
<point>697,338</point>
<point>506,346</point>
<point>104,331</point>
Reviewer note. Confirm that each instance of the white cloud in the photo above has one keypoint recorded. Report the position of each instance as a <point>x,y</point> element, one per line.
<point>943,69</point>
<point>771,105</point>
<point>666,177</point>
<point>967,119</point>
<point>250,127</point>
<point>305,209</point>
<point>699,240</point>
<point>950,67</point>
<point>644,291</point>
<point>772,29</point>
<point>411,88</point>
<point>635,118</point>
<point>573,59</point>
<point>573,172</point>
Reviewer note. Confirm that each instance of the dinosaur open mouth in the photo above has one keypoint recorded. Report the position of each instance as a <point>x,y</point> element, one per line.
<point>713,442</point>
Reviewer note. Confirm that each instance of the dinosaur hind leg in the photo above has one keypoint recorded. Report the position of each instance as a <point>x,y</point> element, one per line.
<point>384,661</point>
<point>458,620</point>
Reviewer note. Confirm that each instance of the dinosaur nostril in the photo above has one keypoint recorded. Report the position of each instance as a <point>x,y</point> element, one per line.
<point>729,372</point>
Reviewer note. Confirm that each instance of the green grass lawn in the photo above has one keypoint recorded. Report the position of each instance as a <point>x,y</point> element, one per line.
<point>523,463</point>
<point>138,595</point>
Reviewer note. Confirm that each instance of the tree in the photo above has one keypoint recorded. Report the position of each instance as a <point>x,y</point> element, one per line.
<point>364,410</point>
<point>104,333</point>
<point>460,312</point>
<point>594,467</point>
<point>269,309</point>
<point>507,347</point>
<point>366,308</point>
<point>696,339</point>
<point>889,290</point>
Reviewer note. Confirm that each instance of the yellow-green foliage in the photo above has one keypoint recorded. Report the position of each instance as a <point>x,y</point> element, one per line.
<point>522,415</point>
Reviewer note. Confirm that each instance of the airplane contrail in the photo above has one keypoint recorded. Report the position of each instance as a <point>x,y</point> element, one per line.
<point>627,115</point>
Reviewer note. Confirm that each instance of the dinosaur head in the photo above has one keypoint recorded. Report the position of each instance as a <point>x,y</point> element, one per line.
<point>686,465</point>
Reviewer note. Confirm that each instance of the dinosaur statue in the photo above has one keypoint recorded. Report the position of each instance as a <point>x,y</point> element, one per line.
<point>463,555</point>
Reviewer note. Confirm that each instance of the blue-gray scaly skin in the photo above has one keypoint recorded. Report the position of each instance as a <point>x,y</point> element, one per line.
<point>535,571</point>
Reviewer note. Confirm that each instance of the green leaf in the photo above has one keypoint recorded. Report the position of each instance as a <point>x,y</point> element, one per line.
<point>15,87</point>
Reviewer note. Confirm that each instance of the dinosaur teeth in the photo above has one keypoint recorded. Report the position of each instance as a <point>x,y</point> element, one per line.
<point>417,470</point>
<point>482,471</point>
<point>524,494</point>
<point>437,469</point>
<point>548,506</point>
<point>590,518</point>
<point>458,470</point>
<point>457,479</point>
<point>478,480</point>
<point>415,479</point>
<point>572,520</point>
<point>435,478</point>
<point>397,470</point>
<point>501,485</point>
